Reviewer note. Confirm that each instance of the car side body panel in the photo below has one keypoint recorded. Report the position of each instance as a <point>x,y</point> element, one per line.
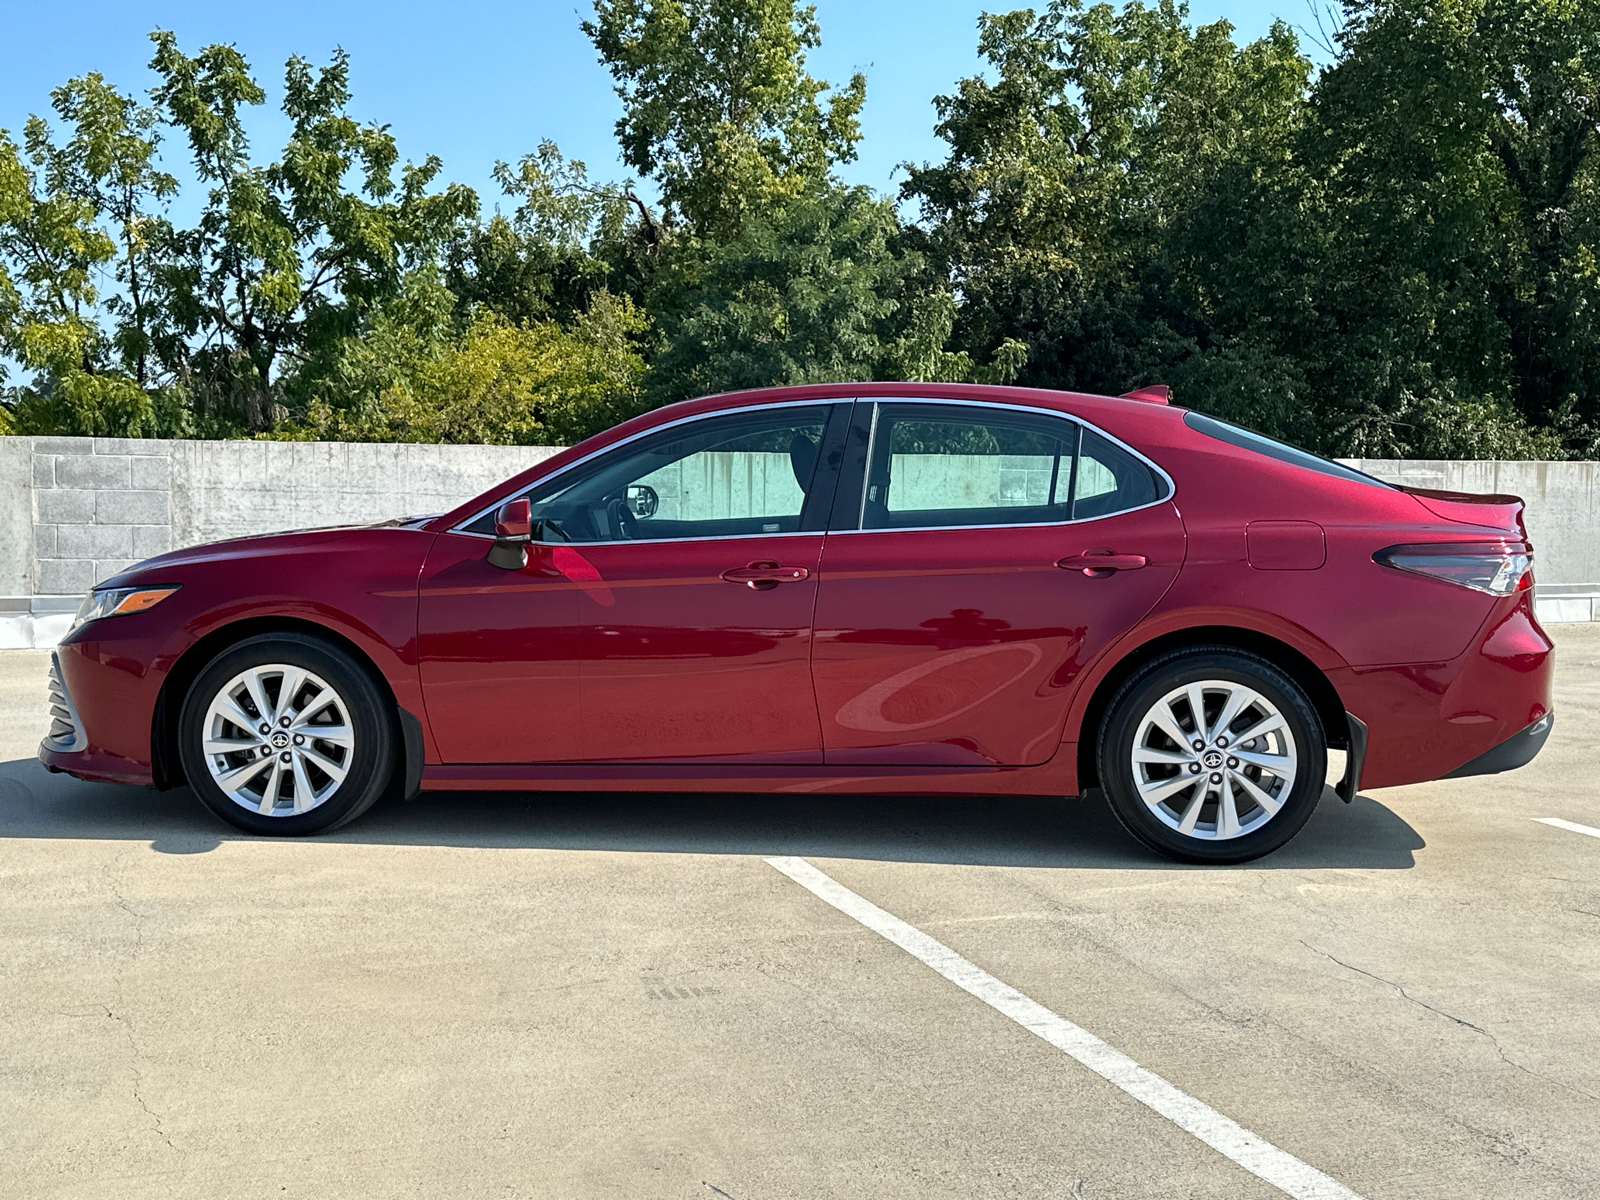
<point>358,584</point>
<point>963,647</point>
<point>1439,673</point>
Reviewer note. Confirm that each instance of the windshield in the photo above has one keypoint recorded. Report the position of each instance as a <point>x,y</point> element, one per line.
<point>1248,439</point>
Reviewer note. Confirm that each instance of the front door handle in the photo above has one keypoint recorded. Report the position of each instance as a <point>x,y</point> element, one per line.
<point>764,576</point>
<point>1097,564</point>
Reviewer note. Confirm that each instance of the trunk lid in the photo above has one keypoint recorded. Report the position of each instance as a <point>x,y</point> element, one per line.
<point>1467,508</point>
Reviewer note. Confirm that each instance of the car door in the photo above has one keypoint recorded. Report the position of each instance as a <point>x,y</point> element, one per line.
<point>678,573</point>
<point>979,556</point>
<point>499,656</point>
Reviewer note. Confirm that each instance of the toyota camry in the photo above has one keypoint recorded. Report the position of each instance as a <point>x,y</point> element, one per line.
<point>867,588</point>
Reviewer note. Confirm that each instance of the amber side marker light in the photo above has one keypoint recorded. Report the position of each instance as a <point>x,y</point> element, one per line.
<point>120,602</point>
<point>1493,567</point>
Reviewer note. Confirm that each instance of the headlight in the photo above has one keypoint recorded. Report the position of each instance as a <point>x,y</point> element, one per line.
<point>120,602</point>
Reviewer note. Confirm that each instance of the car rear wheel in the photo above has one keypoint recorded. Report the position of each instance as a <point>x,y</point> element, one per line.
<point>1212,755</point>
<point>284,734</point>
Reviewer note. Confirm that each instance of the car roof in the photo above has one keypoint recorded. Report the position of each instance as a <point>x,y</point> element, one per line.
<point>1075,402</point>
<point>1118,415</point>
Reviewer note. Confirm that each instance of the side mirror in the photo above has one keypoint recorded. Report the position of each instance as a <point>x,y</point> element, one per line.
<point>643,500</point>
<point>513,531</point>
<point>514,520</point>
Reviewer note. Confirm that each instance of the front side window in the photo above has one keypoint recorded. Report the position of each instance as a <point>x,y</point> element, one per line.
<point>731,475</point>
<point>939,465</point>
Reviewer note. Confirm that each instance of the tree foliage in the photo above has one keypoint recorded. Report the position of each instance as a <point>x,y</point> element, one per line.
<point>1348,262</point>
<point>1396,254</point>
<point>719,107</point>
<point>817,287</point>
<point>414,377</point>
<point>287,255</point>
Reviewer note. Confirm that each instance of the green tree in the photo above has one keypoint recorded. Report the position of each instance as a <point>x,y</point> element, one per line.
<point>286,258</point>
<point>816,287</point>
<point>1121,198</point>
<point>1459,281</point>
<point>51,252</point>
<point>411,376</point>
<point>110,164</point>
<point>719,107</point>
<point>567,239</point>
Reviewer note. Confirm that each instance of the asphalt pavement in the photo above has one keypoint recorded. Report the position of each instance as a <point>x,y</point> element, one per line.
<point>814,997</point>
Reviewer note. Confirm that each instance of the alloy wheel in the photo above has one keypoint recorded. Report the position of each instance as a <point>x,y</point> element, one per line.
<point>1214,760</point>
<point>278,740</point>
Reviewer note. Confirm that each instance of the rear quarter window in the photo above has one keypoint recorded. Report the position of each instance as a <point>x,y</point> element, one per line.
<point>1110,480</point>
<point>1248,439</point>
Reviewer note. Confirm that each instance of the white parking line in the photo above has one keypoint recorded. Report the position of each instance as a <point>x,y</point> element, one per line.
<point>1261,1158</point>
<point>1571,826</point>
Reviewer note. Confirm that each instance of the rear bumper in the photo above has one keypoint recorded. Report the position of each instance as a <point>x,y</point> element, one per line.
<point>1440,720</point>
<point>1518,750</point>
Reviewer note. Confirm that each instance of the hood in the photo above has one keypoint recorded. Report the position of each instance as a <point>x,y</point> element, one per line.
<point>261,546</point>
<point>1466,508</point>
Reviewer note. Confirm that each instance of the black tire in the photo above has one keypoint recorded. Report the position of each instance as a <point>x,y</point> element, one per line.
<point>370,763</point>
<point>1140,695</point>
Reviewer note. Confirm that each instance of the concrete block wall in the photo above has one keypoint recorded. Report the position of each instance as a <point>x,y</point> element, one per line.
<point>74,511</point>
<point>1563,519</point>
<point>99,505</point>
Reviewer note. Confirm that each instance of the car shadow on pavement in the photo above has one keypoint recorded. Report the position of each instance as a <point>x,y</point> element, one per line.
<point>1015,831</point>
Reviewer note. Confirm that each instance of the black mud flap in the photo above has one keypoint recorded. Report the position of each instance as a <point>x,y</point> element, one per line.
<point>1355,759</point>
<point>410,768</point>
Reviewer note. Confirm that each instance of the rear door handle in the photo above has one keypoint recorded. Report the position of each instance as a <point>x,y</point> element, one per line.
<point>763,576</point>
<point>1099,563</point>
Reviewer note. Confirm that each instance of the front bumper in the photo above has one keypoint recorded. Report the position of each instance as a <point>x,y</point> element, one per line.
<point>1518,750</point>
<point>102,695</point>
<point>66,727</point>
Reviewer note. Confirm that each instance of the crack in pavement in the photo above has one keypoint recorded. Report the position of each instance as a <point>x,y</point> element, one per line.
<point>137,1057</point>
<point>1398,988</point>
<point>138,1075</point>
<point>1504,1057</point>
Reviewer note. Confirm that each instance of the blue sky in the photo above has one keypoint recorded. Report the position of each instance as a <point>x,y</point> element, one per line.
<point>475,80</point>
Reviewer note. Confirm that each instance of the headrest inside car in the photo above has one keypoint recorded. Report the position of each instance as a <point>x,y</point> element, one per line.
<point>802,457</point>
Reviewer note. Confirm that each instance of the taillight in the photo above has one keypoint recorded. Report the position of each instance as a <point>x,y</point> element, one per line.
<point>1493,567</point>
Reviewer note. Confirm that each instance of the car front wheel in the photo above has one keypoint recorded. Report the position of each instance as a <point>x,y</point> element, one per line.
<point>285,734</point>
<point>1212,755</point>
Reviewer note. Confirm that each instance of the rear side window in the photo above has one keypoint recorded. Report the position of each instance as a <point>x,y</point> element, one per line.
<point>1248,439</point>
<point>1110,480</point>
<point>935,466</point>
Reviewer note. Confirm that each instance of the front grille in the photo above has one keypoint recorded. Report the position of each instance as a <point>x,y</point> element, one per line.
<point>66,730</point>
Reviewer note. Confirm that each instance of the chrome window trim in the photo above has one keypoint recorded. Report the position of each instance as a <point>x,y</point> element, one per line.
<point>1172,487</point>
<point>876,401</point>
<point>633,437</point>
<point>866,471</point>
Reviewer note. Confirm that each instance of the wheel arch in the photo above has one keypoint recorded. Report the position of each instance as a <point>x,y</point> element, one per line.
<point>1324,697</point>
<point>165,764</point>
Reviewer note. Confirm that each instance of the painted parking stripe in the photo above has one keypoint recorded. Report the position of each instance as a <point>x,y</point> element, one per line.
<point>1261,1158</point>
<point>1570,826</point>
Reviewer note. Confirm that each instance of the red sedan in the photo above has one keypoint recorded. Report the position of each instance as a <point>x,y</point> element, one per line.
<point>874,588</point>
